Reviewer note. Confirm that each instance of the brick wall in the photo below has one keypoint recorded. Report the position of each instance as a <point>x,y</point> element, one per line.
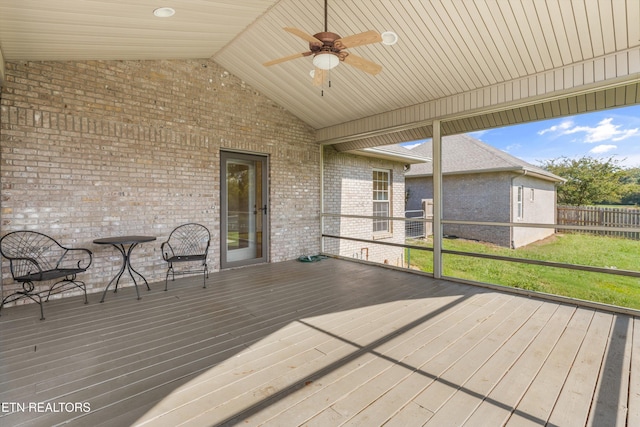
<point>491,197</point>
<point>100,148</point>
<point>348,190</point>
<point>470,197</point>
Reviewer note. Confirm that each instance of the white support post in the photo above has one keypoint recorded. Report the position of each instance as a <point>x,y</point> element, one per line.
<point>321,198</point>
<point>437,200</point>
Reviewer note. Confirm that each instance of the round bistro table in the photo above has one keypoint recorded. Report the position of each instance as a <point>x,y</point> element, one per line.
<point>121,243</point>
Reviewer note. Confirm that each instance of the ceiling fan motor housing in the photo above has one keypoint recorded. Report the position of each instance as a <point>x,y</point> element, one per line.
<point>329,45</point>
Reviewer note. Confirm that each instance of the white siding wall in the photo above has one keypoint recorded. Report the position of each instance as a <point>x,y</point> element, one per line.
<point>539,209</point>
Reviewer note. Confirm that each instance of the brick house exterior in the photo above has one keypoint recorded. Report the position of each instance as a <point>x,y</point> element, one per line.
<point>348,190</point>
<point>105,148</point>
<point>100,148</point>
<point>481,183</point>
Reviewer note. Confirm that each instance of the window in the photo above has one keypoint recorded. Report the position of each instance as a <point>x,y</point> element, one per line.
<point>519,201</point>
<point>381,206</point>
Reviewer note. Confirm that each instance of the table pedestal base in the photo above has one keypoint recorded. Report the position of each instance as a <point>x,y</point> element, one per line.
<point>126,265</point>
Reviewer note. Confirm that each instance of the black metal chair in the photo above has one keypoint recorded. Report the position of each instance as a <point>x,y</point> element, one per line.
<point>36,257</point>
<point>187,243</point>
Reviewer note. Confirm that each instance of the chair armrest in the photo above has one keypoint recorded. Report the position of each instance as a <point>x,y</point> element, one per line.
<point>165,253</point>
<point>78,257</point>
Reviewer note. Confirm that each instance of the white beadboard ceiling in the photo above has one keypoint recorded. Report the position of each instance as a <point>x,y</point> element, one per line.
<point>473,63</point>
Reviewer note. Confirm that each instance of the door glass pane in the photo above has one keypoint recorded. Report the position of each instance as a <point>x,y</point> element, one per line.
<point>239,192</point>
<point>241,226</point>
<point>245,208</point>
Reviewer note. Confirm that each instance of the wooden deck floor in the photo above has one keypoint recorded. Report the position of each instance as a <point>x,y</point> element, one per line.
<point>318,344</point>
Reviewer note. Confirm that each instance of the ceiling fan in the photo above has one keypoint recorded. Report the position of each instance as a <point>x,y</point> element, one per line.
<point>328,50</point>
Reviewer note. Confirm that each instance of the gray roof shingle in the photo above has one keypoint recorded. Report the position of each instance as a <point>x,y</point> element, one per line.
<point>465,154</point>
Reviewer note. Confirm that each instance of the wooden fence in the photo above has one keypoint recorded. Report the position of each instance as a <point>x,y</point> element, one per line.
<point>594,216</point>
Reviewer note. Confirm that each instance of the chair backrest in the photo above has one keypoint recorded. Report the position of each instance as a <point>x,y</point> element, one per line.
<point>190,239</point>
<point>24,248</point>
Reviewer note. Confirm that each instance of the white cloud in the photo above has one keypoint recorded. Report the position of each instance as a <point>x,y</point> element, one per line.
<point>603,148</point>
<point>627,134</point>
<point>555,128</point>
<point>604,131</point>
<point>512,147</point>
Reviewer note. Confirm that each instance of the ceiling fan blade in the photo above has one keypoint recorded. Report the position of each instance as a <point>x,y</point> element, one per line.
<point>318,76</point>
<point>361,39</point>
<point>303,35</point>
<point>286,58</point>
<point>363,64</point>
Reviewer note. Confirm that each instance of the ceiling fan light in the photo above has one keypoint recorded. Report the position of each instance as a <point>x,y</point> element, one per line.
<point>326,61</point>
<point>389,38</point>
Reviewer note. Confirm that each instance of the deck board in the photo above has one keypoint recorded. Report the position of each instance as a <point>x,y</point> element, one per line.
<point>575,399</point>
<point>454,369</point>
<point>470,395</point>
<point>320,344</point>
<point>613,387</point>
<point>339,394</point>
<point>536,405</point>
<point>516,382</point>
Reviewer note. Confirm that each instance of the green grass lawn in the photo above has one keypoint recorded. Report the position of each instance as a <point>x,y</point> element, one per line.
<point>579,249</point>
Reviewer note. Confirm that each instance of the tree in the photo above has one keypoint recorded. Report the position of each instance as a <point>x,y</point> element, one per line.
<point>631,187</point>
<point>589,180</point>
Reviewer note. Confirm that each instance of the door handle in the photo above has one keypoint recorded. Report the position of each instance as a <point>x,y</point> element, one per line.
<point>264,210</point>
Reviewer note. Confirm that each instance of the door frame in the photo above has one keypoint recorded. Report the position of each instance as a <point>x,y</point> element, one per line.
<point>226,155</point>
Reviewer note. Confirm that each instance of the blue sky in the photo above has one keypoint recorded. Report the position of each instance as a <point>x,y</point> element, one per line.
<point>603,134</point>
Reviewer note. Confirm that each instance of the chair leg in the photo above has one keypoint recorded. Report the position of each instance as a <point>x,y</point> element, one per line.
<point>62,283</point>
<point>76,283</point>
<point>84,288</point>
<point>205,276</point>
<point>19,295</point>
<point>166,279</point>
<point>38,301</point>
<point>41,309</point>
<point>2,304</point>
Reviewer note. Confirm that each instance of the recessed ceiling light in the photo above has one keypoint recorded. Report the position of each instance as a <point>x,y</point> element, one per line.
<point>389,38</point>
<point>164,12</point>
